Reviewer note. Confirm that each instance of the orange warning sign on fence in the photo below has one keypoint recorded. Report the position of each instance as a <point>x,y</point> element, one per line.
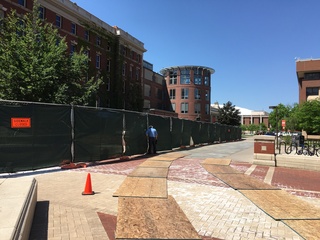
<point>20,122</point>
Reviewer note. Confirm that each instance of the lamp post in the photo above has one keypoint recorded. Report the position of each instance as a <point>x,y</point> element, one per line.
<point>276,108</point>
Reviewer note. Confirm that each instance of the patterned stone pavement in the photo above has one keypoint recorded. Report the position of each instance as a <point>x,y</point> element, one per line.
<point>214,209</point>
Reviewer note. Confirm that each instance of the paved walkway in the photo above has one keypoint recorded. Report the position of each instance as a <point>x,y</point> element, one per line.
<point>214,209</point>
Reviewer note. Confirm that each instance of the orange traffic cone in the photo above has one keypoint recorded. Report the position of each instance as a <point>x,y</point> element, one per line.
<point>88,187</point>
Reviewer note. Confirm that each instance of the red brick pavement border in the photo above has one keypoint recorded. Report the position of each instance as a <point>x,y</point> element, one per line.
<point>296,181</point>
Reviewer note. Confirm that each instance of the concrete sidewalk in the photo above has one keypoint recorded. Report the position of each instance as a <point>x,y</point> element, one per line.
<point>213,208</point>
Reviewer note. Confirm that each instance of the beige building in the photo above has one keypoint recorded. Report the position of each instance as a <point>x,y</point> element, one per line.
<point>247,116</point>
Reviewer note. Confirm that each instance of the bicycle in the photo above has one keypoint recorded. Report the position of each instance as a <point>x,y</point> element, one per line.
<point>294,147</point>
<point>313,150</point>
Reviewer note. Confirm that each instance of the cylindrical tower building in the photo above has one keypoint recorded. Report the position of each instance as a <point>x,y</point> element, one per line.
<point>189,89</point>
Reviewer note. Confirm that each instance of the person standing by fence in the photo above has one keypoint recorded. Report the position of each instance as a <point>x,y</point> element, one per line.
<point>152,136</point>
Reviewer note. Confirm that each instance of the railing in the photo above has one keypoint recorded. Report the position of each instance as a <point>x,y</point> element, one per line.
<point>309,148</point>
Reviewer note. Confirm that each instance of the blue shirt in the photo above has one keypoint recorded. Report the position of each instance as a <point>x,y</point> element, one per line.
<point>152,132</point>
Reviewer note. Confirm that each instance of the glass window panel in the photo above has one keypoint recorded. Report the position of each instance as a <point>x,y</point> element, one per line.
<point>184,93</point>
<point>184,76</point>
<point>207,95</point>
<point>41,12</point>
<point>172,93</point>
<point>58,21</point>
<point>173,77</point>
<point>197,108</point>
<point>98,61</point>
<point>184,107</point>
<point>197,94</point>
<point>173,106</point>
<point>73,28</point>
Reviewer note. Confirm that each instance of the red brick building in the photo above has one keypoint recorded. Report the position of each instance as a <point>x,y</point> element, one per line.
<point>308,74</point>
<point>155,93</point>
<point>115,55</point>
<point>189,89</point>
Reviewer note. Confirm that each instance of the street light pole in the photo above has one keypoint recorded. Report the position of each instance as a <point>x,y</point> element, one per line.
<point>276,108</point>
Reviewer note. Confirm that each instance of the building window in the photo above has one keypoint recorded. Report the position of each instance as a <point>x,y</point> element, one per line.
<point>312,76</point>
<point>312,91</point>
<point>108,84</point>
<point>207,95</point>
<point>137,73</point>
<point>21,25</point>
<point>98,57</point>
<point>184,93</point>
<point>130,71</point>
<point>197,80</point>
<point>207,109</point>
<point>73,28</point>
<point>109,46</point>
<point>146,104</point>
<point>184,107</point>
<point>207,79</point>
<point>87,35</point>
<point>197,73</point>
<point>1,16</point>
<point>124,66</point>
<point>108,65</point>
<point>197,108</point>
<point>98,40</point>
<point>172,94</point>
<point>58,21</point>
<point>87,53</point>
<point>73,48</point>
<point>22,2</point>
<point>173,77</point>
<point>197,94</point>
<point>147,90</point>
<point>41,13</point>
<point>173,105</point>
<point>184,76</point>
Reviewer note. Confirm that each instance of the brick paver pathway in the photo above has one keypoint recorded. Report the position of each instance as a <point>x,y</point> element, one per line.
<point>213,208</point>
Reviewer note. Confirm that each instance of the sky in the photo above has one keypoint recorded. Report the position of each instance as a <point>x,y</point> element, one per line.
<point>252,45</point>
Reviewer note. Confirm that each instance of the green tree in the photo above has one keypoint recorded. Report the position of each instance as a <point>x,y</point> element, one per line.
<point>307,116</point>
<point>229,115</point>
<point>244,127</point>
<point>291,121</point>
<point>278,114</point>
<point>35,64</point>
<point>262,127</point>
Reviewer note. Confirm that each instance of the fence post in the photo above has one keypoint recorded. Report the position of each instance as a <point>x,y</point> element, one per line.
<point>72,132</point>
